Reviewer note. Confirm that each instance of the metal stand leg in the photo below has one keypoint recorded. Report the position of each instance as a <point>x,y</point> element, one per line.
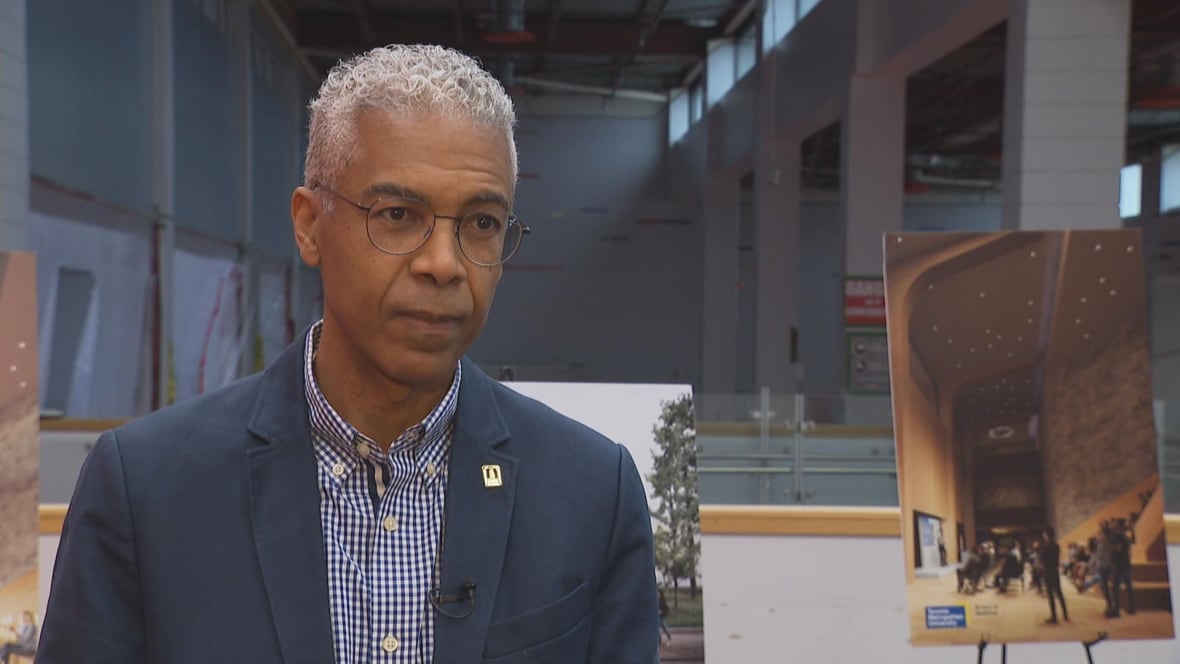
<point>1087,644</point>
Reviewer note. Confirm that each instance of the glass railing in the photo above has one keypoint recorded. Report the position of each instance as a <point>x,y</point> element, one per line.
<point>773,449</point>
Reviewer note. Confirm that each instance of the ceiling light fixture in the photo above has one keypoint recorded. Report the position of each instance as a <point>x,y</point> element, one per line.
<point>1001,433</point>
<point>1098,247</point>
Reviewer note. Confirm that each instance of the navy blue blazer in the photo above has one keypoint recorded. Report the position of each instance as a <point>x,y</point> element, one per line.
<point>194,537</point>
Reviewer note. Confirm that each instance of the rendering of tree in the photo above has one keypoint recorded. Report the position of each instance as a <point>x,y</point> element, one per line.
<point>674,486</point>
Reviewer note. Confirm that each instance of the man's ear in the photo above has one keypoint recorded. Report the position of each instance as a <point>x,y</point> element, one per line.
<point>305,213</point>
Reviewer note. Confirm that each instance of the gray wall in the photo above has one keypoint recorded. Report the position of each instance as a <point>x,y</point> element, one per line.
<point>821,260</point>
<point>89,97</point>
<point>599,291</point>
<point>209,124</point>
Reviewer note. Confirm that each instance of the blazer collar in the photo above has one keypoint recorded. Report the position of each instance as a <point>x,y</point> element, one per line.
<point>478,518</point>
<point>289,538</point>
<point>285,509</point>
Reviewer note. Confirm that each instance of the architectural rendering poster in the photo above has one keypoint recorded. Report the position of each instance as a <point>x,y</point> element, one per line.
<point>655,424</point>
<point>18,443</point>
<point>1031,501</point>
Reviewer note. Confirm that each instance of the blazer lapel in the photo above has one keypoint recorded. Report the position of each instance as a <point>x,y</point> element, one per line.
<point>477,519</point>
<point>285,508</point>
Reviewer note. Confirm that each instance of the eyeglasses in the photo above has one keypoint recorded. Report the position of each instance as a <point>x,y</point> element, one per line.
<point>401,226</point>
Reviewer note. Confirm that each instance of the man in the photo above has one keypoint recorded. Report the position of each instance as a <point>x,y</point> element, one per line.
<point>26,639</point>
<point>1099,569</point>
<point>1051,568</point>
<point>371,497</point>
<point>1120,576</point>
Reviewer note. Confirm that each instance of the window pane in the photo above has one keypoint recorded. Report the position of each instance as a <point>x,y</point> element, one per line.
<point>1130,190</point>
<point>719,69</point>
<point>678,120</point>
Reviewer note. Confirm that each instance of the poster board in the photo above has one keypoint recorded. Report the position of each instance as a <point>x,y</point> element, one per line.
<point>1022,404</point>
<point>629,414</point>
<point>19,424</point>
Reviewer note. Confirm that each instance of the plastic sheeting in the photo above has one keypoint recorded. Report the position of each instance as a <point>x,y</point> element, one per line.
<point>206,328</point>
<point>273,308</point>
<point>109,383</point>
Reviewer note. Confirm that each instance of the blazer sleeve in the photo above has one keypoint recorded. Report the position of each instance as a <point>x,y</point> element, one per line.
<point>626,609</point>
<point>95,613</point>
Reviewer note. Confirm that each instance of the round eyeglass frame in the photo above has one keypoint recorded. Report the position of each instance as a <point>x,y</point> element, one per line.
<point>368,210</point>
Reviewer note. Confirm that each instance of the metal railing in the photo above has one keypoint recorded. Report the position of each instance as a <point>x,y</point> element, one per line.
<point>768,449</point>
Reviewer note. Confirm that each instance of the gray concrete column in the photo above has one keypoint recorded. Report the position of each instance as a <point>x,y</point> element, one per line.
<point>777,185</point>
<point>872,168</point>
<point>15,228</point>
<point>777,181</point>
<point>1149,185</point>
<point>719,329</point>
<point>1065,104</point>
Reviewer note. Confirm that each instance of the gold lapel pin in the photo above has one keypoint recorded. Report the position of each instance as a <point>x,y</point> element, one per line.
<point>491,476</point>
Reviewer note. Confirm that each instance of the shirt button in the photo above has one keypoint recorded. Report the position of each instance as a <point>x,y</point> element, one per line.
<point>362,449</point>
<point>430,470</point>
<point>390,643</point>
<point>390,524</point>
<point>338,470</point>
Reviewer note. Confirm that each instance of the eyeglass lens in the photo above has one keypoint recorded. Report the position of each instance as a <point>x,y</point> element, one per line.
<point>486,237</point>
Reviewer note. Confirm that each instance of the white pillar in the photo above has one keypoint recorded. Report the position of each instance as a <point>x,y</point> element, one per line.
<point>872,168</point>
<point>1065,104</point>
<point>15,229</point>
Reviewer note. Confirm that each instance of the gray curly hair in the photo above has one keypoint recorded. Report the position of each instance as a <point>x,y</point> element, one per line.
<point>404,80</point>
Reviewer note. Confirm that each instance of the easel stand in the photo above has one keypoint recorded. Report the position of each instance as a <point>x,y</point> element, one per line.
<point>1004,649</point>
<point>983,645</point>
<point>1087,644</point>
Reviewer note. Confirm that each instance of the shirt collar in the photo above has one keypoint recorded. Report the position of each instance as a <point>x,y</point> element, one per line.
<point>329,425</point>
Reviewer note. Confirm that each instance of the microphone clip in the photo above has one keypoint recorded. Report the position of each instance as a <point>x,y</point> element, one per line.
<point>466,595</point>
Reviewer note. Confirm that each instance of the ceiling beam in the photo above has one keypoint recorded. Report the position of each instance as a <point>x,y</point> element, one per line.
<point>337,31</point>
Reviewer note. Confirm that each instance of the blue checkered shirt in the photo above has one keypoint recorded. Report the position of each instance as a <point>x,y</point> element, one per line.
<point>382,516</point>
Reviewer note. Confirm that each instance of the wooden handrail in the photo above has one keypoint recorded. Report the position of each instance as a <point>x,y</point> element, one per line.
<point>748,520</point>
